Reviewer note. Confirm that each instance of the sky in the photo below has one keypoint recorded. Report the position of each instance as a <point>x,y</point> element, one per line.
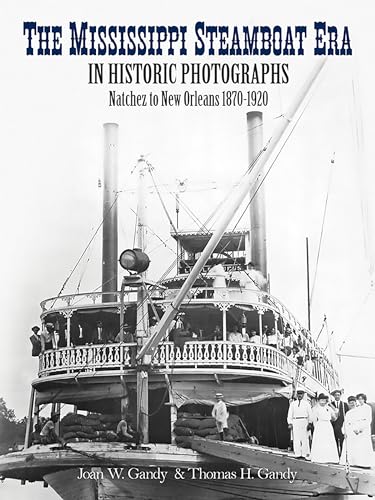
<point>52,154</point>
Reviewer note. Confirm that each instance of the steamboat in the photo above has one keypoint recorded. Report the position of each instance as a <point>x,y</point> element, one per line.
<point>181,354</point>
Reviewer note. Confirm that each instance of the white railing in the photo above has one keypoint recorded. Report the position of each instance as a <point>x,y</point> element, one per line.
<point>86,359</point>
<point>216,354</point>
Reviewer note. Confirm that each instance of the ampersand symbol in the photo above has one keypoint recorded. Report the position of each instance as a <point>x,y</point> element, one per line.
<point>179,474</point>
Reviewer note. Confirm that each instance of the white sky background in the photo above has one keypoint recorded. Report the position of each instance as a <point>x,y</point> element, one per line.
<point>52,154</point>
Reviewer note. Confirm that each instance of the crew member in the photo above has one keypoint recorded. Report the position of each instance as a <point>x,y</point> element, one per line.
<point>220,414</point>
<point>299,420</point>
<point>48,434</point>
<point>125,433</point>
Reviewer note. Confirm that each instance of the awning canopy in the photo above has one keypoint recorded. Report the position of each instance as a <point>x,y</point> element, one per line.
<point>235,394</point>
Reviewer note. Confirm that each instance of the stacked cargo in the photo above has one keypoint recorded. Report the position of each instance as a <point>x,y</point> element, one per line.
<point>93,427</point>
<point>189,425</point>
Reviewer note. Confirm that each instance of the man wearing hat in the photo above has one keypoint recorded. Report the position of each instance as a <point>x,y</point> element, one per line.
<point>49,338</point>
<point>220,414</point>
<point>35,341</point>
<point>299,420</point>
<point>342,408</point>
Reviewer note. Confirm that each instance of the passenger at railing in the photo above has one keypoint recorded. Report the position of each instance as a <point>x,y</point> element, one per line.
<point>190,332</point>
<point>266,332</point>
<point>245,336</point>
<point>35,341</point>
<point>74,331</point>
<point>97,334</point>
<point>309,365</point>
<point>49,337</point>
<point>217,334</point>
<point>128,337</point>
<point>301,356</point>
<point>235,335</point>
<point>288,341</point>
<point>294,353</point>
<point>255,337</point>
<point>272,338</point>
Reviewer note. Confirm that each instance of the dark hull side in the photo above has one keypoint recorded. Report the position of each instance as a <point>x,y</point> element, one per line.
<point>164,472</point>
<point>104,487</point>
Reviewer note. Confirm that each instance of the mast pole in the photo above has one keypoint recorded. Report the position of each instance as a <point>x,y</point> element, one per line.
<point>142,307</point>
<point>308,285</point>
<point>110,193</point>
<point>253,179</point>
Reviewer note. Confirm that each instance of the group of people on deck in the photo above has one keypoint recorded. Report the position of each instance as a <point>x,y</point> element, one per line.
<point>341,432</point>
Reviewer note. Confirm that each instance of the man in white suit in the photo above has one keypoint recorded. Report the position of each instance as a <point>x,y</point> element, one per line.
<point>299,418</point>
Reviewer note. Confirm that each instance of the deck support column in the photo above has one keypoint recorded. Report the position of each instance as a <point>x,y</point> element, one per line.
<point>124,401</point>
<point>67,315</point>
<point>142,405</point>
<point>224,324</point>
<point>276,317</point>
<point>260,315</point>
<point>173,408</point>
<point>29,418</point>
<point>57,425</point>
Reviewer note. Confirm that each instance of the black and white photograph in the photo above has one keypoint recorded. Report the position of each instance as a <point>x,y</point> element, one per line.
<point>188,250</point>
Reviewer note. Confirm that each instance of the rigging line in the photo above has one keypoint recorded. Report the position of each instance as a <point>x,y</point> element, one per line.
<point>236,184</point>
<point>87,246</point>
<point>84,271</point>
<point>321,329</point>
<point>275,159</point>
<point>163,243</point>
<point>160,198</point>
<point>185,207</point>
<point>155,234</point>
<point>191,214</point>
<point>322,227</point>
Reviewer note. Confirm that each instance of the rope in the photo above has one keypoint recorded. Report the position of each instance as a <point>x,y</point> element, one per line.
<point>86,248</point>
<point>322,227</point>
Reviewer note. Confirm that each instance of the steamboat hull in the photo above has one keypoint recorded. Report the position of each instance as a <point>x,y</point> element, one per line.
<point>103,471</point>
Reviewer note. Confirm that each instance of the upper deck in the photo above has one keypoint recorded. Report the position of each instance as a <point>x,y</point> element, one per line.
<point>205,307</point>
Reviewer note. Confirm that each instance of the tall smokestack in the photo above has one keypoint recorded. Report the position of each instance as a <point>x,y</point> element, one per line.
<point>258,243</point>
<point>109,253</point>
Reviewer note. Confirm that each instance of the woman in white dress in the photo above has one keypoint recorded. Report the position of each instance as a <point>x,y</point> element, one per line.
<point>357,430</point>
<point>323,448</point>
<point>347,430</point>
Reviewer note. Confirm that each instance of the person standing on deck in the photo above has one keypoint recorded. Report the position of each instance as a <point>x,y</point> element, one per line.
<point>358,430</point>
<point>299,420</point>
<point>323,447</point>
<point>220,414</point>
<point>35,341</point>
<point>49,338</point>
<point>337,424</point>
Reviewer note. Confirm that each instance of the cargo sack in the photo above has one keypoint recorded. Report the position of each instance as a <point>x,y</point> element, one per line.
<point>193,423</point>
<point>183,431</point>
<point>207,423</point>
<point>206,432</point>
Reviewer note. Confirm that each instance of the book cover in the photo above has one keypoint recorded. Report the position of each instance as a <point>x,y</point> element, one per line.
<point>180,81</point>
